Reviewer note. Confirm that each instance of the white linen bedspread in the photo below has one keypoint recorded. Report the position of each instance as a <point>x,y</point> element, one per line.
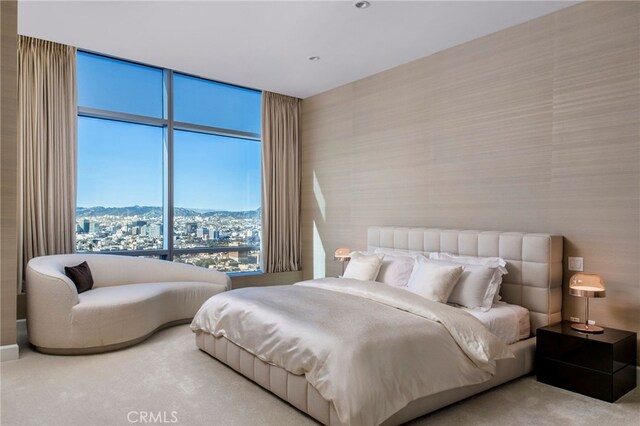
<point>510,323</point>
<point>368,347</point>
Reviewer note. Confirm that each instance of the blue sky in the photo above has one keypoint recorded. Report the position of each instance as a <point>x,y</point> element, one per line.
<point>121,164</point>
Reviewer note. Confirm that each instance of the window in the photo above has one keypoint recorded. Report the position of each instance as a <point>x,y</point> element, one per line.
<point>231,169</point>
<point>119,86</point>
<point>167,170</point>
<point>120,186</point>
<point>209,103</point>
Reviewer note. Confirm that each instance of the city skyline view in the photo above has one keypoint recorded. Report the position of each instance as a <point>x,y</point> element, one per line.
<point>141,228</point>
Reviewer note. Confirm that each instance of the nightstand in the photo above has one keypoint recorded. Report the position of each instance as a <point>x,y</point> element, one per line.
<point>601,366</point>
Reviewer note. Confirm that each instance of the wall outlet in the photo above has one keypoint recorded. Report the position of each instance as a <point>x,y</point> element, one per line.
<point>574,319</point>
<point>575,264</point>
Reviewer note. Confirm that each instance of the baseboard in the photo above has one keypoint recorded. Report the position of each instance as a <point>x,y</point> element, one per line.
<point>9,352</point>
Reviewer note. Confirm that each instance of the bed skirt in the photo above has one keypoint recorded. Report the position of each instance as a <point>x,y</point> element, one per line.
<point>297,391</point>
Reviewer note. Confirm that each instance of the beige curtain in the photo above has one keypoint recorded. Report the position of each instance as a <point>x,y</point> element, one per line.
<point>280,183</point>
<point>47,127</point>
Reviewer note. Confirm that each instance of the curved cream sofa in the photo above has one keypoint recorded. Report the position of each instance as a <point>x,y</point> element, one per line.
<point>131,298</point>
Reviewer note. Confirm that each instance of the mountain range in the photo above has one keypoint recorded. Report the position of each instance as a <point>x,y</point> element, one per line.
<point>157,211</point>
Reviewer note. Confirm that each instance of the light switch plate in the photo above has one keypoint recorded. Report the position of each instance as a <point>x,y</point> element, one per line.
<point>576,264</point>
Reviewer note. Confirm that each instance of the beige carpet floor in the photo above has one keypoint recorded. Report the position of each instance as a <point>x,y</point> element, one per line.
<point>169,377</point>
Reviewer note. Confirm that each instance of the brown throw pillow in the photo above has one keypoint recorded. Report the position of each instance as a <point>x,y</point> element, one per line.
<point>81,276</point>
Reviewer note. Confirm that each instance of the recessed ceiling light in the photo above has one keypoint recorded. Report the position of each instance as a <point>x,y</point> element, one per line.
<point>361,4</point>
<point>314,58</point>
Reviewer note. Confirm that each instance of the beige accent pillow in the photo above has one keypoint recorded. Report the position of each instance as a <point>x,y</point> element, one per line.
<point>396,269</point>
<point>434,282</point>
<point>363,267</point>
<point>474,289</point>
<point>497,264</point>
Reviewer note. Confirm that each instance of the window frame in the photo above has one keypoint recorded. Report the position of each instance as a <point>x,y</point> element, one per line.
<point>168,252</point>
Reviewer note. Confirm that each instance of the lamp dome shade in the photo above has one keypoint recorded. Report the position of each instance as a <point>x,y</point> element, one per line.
<point>342,254</point>
<point>587,285</point>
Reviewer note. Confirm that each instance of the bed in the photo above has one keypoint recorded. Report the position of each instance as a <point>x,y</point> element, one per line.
<point>534,280</point>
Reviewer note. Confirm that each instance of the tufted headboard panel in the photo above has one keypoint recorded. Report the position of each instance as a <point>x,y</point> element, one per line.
<point>534,261</point>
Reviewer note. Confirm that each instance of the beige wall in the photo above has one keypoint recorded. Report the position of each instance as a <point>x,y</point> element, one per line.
<point>8,166</point>
<point>535,128</point>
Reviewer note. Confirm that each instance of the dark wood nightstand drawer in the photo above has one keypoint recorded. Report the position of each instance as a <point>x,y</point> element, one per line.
<point>584,351</point>
<point>596,384</point>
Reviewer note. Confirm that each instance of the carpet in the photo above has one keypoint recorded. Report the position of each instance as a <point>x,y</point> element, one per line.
<point>168,380</point>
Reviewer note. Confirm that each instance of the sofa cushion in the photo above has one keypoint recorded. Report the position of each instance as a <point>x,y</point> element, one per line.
<point>80,275</point>
<point>121,313</point>
<point>135,293</point>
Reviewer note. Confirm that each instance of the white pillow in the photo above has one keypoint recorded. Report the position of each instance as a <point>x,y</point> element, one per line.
<point>433,282</point>
<point>395,269</point>
<point>397,252</point>
<point>476,287</point>
<point>490,262</point>
<point>363,267</point>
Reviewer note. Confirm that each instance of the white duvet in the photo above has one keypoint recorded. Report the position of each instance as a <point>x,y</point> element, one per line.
<point>368,347</point>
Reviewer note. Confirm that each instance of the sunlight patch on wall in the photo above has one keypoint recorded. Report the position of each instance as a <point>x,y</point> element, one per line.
<point>317,191</point>
<point>319,255</point>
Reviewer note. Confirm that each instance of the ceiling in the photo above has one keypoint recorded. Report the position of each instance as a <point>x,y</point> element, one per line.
<point>265,44</point>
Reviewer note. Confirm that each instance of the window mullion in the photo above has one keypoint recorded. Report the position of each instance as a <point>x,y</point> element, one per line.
<point>121,116</point>
<point>169,177</point>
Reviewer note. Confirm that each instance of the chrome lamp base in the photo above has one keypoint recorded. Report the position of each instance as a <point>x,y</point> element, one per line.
<point>586,328</point>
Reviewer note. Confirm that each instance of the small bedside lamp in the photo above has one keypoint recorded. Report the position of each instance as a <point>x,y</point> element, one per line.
<point>587,285</point>
<point>342,255</point>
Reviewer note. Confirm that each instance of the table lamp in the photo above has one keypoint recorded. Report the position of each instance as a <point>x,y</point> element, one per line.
<point>342,255</point>
<point>587,286</point>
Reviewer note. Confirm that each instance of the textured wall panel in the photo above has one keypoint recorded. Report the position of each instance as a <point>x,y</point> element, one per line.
<point>535,128</point>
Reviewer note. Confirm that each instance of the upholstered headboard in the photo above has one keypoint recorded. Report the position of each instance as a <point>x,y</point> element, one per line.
<point>534,261</point>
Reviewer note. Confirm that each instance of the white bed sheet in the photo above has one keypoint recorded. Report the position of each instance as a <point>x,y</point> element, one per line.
<point>510,323</point>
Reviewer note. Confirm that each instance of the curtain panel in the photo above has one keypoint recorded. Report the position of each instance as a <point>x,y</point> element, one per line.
<point>47,129</point>
<point>280,183</point>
